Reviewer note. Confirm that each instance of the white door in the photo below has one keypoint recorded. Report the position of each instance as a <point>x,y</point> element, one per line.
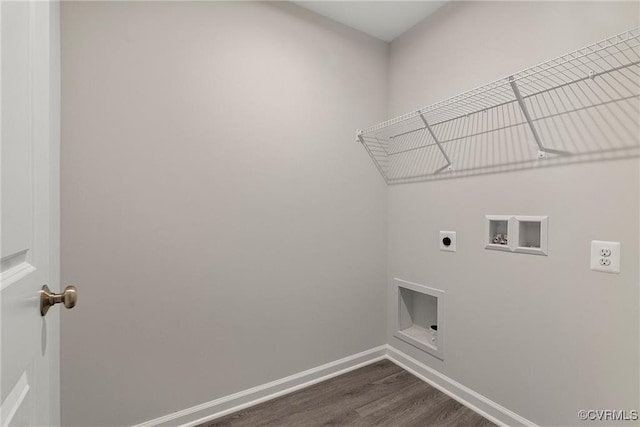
<point>29,141</point>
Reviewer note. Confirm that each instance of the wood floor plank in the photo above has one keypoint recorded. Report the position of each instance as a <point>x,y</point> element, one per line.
<point>421,403</point>
<point>380,394</point>
<point>340,406</point>
<point>350,382</point>
<point>386,403</point>
<point>289,408</point>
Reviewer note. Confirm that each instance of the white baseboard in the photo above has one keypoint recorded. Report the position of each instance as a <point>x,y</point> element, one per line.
<point>469,398</point>
<point>235,402</point>
<point>208,411</point>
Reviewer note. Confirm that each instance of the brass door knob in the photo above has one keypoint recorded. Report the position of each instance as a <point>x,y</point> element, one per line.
<point>48,299</point>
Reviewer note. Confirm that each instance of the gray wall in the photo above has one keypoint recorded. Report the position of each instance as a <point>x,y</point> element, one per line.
<point>542,336</point>
<point>222,225</point>
<point>225,230</point>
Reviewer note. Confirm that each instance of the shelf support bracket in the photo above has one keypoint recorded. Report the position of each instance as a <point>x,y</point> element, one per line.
<point>542,152</point>
<point>438,143</point>
<point>360,138</point>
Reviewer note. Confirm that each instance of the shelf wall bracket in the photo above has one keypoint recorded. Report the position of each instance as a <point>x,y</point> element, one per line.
<point>360,138</point>
<point>542,152</point>
<point>437,141</point>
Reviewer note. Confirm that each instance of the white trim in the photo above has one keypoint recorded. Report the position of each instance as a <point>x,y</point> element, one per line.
<point>217,408</point>
<point>1,126</point>
<point>14,274</point>
<point>226,405</point>
<point>475,401</point>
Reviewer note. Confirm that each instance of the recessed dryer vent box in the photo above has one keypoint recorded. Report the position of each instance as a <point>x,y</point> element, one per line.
<point>420,309</point>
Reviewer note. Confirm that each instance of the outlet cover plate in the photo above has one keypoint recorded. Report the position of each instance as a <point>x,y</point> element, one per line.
<point>451,235</point>
<point>596,256</point>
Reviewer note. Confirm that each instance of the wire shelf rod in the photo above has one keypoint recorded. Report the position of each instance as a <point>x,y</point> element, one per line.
<point>576,63</point>
<point>586,101</point>
<point>542,91</point>
<point>611,42</point>
<point>513,125</point>
<point>559,85</point>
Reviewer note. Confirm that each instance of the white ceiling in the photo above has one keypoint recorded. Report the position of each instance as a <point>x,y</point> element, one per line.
<point>384,20</point>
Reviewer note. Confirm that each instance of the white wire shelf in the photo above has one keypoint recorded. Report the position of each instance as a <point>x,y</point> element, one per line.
<point>577,107</point>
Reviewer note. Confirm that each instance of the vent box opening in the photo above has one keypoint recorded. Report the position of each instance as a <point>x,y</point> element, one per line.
<point>420,316</point>
<point>532,234</point>
<point>529,234</point>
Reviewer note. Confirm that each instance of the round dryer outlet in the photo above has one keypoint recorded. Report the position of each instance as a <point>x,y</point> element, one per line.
<point>448,241</point>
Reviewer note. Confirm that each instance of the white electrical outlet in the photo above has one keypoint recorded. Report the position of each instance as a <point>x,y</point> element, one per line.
<point>448,241</point>
<point>605,256</point>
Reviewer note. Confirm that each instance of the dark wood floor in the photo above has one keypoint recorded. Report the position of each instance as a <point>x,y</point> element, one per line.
<point>381,394</point>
